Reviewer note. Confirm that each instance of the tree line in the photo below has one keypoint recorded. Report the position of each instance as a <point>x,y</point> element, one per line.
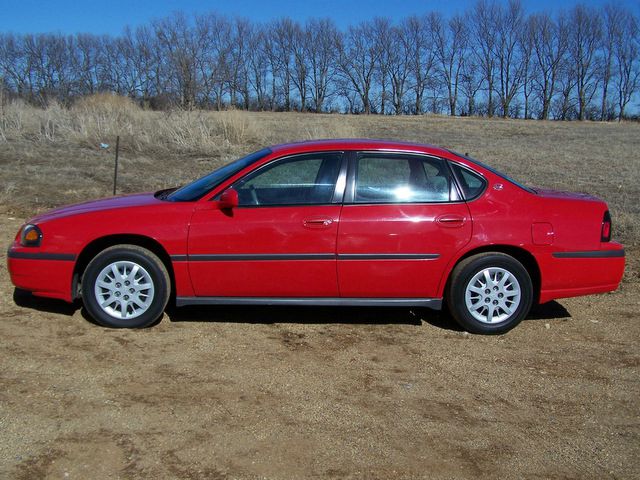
<point>493,60</point>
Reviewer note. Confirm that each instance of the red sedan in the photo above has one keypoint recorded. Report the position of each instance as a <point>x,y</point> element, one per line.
<point>338,222</point>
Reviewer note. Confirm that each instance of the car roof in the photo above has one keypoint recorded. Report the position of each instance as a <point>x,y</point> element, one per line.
<point>359,144</point>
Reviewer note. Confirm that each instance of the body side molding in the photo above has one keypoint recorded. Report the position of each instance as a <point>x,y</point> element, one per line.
<point>590,254</point>
<point>41,256</point>
<point>302,256</point>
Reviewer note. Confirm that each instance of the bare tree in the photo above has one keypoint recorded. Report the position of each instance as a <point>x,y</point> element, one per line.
<point>128,64</point>
<point>147,62</point>
<point>358,59</point>
<point>421,57</point>
<point>627,56</point>
<point>258,66</point>
<point>399,67</point>
<point>181,50</point>
<point>613,18</point>
<point>470,83</point>
<point>509,23</point>
<point>276,68</point>
<point>122,76</point>
<point>86,61</point>
<point>483,23</point>
<point>280,54</point>
<point>51,71</point>
<point>526,40</point>
<point>322,43</point>
<point>300,63</point>
<point>215,68</point>
<point>450,43</point>
<point>550,46</point>
<point>238,65</point>
<point>384,46</point>
<point>14,64</point>
<point>565,107</point>
<point>585,33</point>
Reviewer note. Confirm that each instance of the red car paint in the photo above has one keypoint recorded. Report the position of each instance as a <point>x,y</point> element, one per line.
<point>341,250</point>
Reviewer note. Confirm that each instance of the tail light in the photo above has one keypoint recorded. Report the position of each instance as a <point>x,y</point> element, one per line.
<point>605,234</point>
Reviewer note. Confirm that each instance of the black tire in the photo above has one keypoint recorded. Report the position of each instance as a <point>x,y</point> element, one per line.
<point>500,313</point>
<point>143,306</point>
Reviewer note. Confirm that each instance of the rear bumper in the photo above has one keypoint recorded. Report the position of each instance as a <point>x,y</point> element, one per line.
<point>44,275</point>
<point>571,274</point>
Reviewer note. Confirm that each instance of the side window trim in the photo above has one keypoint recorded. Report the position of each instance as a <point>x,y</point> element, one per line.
<point>457,195</point>
<point>341,181</point>
<point>350,191</point>
<point>353,156</point>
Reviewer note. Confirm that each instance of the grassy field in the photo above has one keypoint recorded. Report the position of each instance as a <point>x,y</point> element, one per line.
<point>52,157</point>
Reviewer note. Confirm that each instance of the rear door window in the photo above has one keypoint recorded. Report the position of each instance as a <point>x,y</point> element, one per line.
<point>398,178</point>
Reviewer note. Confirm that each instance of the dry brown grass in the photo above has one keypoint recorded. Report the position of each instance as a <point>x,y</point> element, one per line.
<point>52,157</point>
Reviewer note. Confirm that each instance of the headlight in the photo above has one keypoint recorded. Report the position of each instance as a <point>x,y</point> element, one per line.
<point>30,236</point>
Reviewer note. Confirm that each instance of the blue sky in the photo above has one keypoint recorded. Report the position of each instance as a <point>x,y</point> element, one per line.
<point>73,16</point>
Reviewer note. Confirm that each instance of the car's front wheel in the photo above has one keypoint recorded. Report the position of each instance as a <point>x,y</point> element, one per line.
<point>490,293</point>
<point>125,286</point>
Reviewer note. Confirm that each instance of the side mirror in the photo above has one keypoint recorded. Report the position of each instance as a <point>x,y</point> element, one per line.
<point>228,199</point>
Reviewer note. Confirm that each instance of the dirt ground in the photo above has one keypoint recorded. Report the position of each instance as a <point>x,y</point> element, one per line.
<point>356,393</point>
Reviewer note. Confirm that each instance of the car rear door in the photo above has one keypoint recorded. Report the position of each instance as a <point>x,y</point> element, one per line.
<point>281,239</point>
<point>402,222</point>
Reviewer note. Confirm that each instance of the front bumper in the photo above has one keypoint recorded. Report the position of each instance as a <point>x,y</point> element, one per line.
<point>41,273</point>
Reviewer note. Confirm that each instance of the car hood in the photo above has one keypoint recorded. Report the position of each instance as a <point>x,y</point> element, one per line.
<point>136,200</point>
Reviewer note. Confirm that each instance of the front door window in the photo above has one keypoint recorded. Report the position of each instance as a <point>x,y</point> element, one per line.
<point>301,180</point>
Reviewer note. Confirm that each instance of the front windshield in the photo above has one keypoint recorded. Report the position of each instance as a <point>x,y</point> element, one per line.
<point>197,189</point>
<point>494,171</point>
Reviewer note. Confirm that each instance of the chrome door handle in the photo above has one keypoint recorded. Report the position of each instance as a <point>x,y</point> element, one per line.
<point>451,221</point>
<point>317,222</point>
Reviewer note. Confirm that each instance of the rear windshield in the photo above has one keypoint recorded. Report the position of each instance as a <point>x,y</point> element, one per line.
<point>197,189</point>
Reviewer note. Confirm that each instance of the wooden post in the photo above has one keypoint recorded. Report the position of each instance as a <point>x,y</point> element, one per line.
<point>115,171</point>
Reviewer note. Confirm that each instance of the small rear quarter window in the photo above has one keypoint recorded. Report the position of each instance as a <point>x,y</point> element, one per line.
<point>471,183</point>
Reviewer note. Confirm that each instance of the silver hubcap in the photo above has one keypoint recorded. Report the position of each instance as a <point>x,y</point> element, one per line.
<point>492,295</point>
<point>124,290</point>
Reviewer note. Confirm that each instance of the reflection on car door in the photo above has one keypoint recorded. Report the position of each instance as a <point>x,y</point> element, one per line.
<point>401,224</point>
<point>280,241</point>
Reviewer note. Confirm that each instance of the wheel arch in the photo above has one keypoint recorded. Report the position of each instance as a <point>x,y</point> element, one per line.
<point>522,255</point>
<point>100,244</point>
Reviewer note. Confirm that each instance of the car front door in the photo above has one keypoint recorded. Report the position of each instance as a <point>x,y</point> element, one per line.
<point>281,239</point>
<point>402,222</point>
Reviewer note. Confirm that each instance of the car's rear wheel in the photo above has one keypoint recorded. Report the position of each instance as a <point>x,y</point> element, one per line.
<point>490,293</point>
<point>125,286</point>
